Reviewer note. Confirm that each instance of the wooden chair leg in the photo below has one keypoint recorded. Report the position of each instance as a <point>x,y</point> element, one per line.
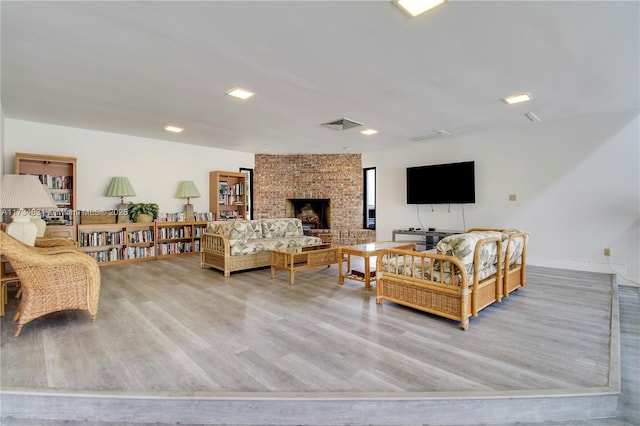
<point>16,316</point>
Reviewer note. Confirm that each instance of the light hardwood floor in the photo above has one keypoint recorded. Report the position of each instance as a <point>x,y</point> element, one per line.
<point>171,328</point>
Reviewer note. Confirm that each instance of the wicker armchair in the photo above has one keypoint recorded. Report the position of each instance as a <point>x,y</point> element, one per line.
<point>53,279</point>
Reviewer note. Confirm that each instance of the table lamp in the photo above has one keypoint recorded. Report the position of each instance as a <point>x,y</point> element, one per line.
<point>22,192</point>
<point>187,189</point>
<point>121,187</point>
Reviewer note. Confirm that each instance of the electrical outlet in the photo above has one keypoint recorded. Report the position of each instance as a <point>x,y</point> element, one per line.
<point>607,251</point>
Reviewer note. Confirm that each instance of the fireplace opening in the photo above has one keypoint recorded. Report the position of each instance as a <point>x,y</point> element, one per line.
<point>315,213</point>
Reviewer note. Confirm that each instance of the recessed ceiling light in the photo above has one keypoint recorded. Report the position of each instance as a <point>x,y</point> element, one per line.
<point>369,132</point>
<point>237,92</point>
<point>173,129</point>
<point>515,99</point>
<point>417,7</point>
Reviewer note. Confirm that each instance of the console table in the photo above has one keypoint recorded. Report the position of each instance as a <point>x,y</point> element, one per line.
<point>428,238</point>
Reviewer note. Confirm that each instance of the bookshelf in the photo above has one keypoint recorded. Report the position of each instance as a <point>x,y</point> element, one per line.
<point>178,238</point>
<point>119,243</point>
<point>227,195</point>
<point>58,173</point>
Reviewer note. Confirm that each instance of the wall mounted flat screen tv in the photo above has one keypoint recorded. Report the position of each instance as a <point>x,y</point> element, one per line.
<point>452,183</point>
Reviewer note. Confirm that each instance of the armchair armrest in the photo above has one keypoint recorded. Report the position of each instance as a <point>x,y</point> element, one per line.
<point>215,243</point>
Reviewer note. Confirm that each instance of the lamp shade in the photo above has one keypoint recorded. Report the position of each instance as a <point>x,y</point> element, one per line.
<point>120,187</point>
<point>187,189</point>
<point>24,192</point>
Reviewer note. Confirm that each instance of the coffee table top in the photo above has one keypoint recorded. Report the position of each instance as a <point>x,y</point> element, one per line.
<point>303,248</point>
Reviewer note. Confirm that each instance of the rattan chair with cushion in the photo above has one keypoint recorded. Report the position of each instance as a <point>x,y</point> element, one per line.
<point>53,279</point>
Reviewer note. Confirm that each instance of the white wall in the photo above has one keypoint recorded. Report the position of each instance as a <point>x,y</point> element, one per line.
<point>577,184</point>
<point>577,181</point>
<point>154,167</point>
<point>1,140</point>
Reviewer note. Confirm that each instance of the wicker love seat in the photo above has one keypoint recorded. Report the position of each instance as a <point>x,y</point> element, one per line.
<point>460,278</point>
<point>238,245</point>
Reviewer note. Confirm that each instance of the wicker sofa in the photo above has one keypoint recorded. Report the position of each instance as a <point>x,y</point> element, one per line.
<point>456,281</point>
<point>238,245</point>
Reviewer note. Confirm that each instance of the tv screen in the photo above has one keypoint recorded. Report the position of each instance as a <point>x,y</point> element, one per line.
<point>452,183</point>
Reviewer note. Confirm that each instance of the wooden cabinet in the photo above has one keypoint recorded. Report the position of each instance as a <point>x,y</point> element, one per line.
<point>111,244</point>
<point>178,238</point>
<point>227,195</point>
<point>59,175</point>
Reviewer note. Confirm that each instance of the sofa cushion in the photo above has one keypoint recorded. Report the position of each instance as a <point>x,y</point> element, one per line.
<point>214,226</point>
<point>257,245</point>
<point>303,240</point>
<point>462,246</point>
<point>278,228</point>
<point>254,229</point>
<point>411,266</point>
<point>235,231</point>
<point>515,244</point>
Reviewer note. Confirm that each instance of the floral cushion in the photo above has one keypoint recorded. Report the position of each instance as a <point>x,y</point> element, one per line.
<point>236,231</point>
<point>246,236</point>
<point>463,247</point>
<point>515,244</point>
<point>214,226</point>
<point>254,229</point>
<point>411,266</point>
<point>278,228</point>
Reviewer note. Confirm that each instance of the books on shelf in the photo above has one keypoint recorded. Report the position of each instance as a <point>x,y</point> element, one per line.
<point>231,194</point>
<point>199,217</point>
<point>56,182</point>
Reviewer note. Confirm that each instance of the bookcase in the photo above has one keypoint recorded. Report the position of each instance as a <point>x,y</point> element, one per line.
<point>178,238</point>
<point>112,244</point>
<point>59,175</point>
<point>227,195</point>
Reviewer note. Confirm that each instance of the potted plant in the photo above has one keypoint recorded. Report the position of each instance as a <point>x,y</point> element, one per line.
<point>143,212</point>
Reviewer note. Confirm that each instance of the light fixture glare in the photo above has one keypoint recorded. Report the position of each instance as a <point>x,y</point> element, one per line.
<point>369,132</point>
<point>173,129</point>
<point>417,7</point>
<point>515,99</point>
<point>240,93</point>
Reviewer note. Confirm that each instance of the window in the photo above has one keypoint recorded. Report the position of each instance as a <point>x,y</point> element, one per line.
<point>369,213</point>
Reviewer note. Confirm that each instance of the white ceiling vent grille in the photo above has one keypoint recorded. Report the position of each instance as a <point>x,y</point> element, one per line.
<point>342,124</point>
<point>438,133</point>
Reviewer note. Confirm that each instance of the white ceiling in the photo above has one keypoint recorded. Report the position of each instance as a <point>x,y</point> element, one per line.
<point>132,67</point>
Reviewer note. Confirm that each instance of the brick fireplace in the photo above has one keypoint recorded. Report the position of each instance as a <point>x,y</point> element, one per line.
<point>333,177</point>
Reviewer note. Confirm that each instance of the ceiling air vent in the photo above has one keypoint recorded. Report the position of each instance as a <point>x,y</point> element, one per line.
<point>438,133</point>
<point>342,124</point>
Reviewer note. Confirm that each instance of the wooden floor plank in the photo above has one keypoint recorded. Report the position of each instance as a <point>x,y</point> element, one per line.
<point>170,326</point>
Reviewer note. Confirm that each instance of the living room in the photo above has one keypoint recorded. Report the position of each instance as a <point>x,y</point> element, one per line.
<point>584,171</point>
<point>569,175</point>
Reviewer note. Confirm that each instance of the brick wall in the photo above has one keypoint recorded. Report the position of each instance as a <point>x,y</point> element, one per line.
<point>335,176</point>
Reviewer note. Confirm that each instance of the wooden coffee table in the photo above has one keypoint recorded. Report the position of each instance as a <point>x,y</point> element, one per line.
<point>367,251</point>
<point>300,258</point>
